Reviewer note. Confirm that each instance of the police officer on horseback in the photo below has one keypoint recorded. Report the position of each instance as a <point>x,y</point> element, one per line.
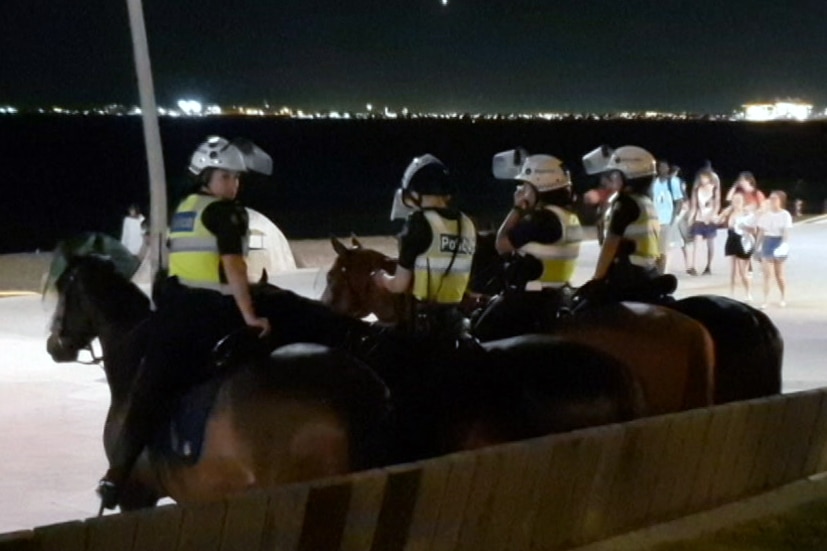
<point>541,226</point>
<point>436,247</point>
<point>206,296</point>
<point>627,263</point>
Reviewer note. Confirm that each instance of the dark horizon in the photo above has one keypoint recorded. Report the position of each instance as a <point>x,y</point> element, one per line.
<point>495,57</point>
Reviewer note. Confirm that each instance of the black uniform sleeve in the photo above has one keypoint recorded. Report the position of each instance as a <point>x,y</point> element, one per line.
<point>540,226</point>
<point>624,212</point>
<point>228,221</point>
<point>414,239</point>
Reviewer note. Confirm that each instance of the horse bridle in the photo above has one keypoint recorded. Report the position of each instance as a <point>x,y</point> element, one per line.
<point>64,339</point>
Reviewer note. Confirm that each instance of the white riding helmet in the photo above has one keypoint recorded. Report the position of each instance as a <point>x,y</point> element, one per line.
<point>633,162</point>
<point>544,172</point>
<point>238,155</point>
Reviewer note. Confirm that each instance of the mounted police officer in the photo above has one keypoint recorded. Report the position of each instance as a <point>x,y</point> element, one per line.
<point>436,247</point>
<point>628,256</point>
<point>541,224</point>
<point>539,241</point>
<point>206,296</point>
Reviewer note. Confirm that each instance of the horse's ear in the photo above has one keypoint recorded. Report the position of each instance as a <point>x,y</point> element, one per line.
<point>263,279</point>
<point>355,242</point>
<point>338,246</point>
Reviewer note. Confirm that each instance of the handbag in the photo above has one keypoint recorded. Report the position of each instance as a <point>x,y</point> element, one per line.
<point>747,243</point>
<point>781,251</point>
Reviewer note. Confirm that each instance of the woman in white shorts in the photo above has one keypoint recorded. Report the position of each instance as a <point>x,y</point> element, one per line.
<point>773,235</point>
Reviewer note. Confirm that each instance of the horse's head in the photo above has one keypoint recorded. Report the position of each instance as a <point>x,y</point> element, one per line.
<point>350,288</point>
<point>90,294</point>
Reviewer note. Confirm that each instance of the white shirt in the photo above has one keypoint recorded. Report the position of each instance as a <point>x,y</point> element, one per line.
<point>774,223</point>
<point>132,235</point>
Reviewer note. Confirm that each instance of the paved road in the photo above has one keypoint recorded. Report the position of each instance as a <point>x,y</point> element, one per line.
<point>52,415</point>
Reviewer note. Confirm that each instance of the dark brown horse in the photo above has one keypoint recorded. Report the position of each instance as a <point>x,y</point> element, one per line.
<point>675,367</point>
<point>305,412</point>
<point>447,398</point>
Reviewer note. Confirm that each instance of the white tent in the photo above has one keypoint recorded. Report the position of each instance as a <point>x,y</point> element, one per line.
<point>269,249</point>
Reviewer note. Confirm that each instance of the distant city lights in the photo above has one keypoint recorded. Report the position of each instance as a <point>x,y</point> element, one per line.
<point>786,110</point>
<point>190,107</point>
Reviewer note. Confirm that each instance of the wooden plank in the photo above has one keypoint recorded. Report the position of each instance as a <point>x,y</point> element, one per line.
<point>800,426</point>
<point>66,536</point>
<point>244,521</point>
<point>433,481</point>
<point>635,479</point>
<point>735,472</point>
<point>454,501</point>
<point>158,529</point>
<point>769,462</point>
<point>681,461</point>
<point>816,460</point>
<point>21,540</point>
<point>706,492</point>
<point>555,517</point>
<point>202,526</point>
<point>509,489</point>
<point>590,449</point>
<point>111,532</point>
<point>363,513</point>
<point>596,519</point>
<point>285,516</point>
<point>529,484</point>
<point>325,515</point>
<point>732,462</point>
<point>398,507</point>
<point>478,510</point>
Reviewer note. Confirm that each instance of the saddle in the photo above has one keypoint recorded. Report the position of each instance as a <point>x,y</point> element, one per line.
<point>182,436</point>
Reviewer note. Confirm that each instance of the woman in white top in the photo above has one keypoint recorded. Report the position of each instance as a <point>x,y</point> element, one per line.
<point>704,206</point>
<point>773,235</point>
<point>132,233</point>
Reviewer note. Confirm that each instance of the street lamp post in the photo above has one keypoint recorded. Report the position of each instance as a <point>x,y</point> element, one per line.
<point>152,138</point>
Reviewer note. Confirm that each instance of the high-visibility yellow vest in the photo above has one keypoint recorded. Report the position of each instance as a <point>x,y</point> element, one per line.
<point>193,249</point>
<point>644,232</point>
<point>457,239</point>
<point>559,258</point>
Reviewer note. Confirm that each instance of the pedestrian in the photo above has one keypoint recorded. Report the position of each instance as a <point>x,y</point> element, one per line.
<point>665,192</point>
<point>774,236</point>
<point>740,243</point>
<point>133,231</point>
<point>704,209</point>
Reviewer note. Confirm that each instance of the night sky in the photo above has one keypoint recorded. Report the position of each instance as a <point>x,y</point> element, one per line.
<point>468,55</point>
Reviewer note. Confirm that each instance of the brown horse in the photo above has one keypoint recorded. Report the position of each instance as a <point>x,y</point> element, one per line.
<point>307,411</point>
<point>670,354</point>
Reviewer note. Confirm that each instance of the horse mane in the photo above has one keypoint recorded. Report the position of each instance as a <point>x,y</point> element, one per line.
<point>106,280</point>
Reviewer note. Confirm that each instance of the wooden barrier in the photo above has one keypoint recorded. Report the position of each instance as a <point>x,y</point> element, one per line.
<point>556,492</point>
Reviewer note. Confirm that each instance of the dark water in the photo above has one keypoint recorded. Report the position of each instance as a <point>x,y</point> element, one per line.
<point>63,175</point>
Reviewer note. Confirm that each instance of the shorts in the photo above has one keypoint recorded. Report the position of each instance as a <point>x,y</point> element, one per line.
<point>768,246</point>
<point>707,231</point>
